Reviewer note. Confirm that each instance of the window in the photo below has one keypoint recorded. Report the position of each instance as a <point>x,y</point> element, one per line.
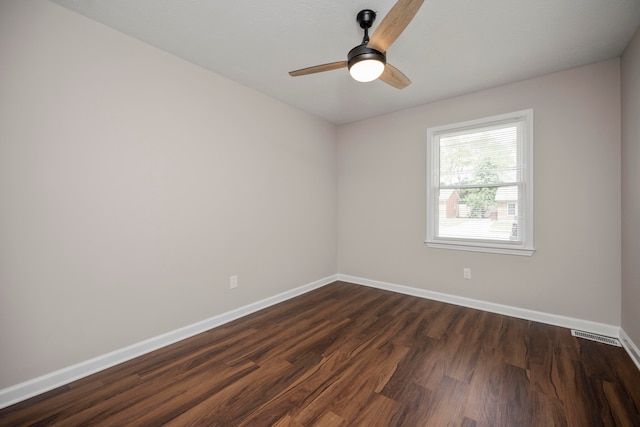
<point>480,185</point>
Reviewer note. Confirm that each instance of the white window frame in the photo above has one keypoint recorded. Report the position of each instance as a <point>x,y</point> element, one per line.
<point>525,245</point>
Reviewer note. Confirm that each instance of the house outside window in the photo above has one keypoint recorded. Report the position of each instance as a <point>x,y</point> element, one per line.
<point>506,203</point>
<point>480,185</point>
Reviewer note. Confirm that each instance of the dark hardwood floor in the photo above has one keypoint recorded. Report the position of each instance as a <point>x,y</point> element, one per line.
<point>351,355</point>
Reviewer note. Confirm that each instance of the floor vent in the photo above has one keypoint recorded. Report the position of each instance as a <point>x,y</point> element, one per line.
<point>594,337</point>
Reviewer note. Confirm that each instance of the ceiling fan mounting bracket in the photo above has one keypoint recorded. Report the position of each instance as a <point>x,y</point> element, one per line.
<point>366,18</point>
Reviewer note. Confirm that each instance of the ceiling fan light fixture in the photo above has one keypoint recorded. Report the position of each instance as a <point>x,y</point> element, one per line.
<point>366,64</point>
<point>368,61</point>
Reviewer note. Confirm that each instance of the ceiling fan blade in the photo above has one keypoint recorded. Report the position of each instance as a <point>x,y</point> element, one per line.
<point>394,24</point>
<point>394,77</point>
<point>318,68</point>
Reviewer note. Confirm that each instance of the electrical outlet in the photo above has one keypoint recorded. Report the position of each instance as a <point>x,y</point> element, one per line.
<point>466,273</point>
<point>233,282</point>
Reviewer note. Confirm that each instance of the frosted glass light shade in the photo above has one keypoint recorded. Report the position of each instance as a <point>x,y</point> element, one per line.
<point>366,70</point>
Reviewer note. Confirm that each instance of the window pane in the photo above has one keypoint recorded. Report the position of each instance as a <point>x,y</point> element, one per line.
<point>484,213</point>
<point>489,156</point>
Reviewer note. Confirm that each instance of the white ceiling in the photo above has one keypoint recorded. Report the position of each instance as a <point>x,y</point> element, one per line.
<point>451,47</point>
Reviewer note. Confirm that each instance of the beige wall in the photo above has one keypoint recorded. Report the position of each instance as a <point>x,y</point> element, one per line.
<point>133,184</point>
<point>631,190</point>
<point>576,268</point>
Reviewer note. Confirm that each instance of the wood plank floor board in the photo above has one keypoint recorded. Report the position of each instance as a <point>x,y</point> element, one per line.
<point>376,412</point>
<point>348,355</point>
<point>311,387</point>
<point>412,406</point>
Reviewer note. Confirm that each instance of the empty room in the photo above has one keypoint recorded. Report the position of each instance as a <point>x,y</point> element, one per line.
<point>305,213</point>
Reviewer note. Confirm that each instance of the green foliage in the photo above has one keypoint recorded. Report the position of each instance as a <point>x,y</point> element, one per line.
<point>481,199</point>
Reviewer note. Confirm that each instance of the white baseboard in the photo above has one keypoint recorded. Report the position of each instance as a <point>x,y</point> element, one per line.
<point>631,348</point>
<point>33,387</point>
<point>521,313</point>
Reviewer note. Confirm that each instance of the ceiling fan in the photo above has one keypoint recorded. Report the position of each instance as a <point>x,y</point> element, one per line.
<point>368,61</point>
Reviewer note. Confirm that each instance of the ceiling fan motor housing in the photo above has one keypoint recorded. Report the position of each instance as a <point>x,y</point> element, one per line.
<point>362,53</point>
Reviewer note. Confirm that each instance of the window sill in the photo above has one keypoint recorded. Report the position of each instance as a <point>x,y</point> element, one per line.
<point>485,249</point>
